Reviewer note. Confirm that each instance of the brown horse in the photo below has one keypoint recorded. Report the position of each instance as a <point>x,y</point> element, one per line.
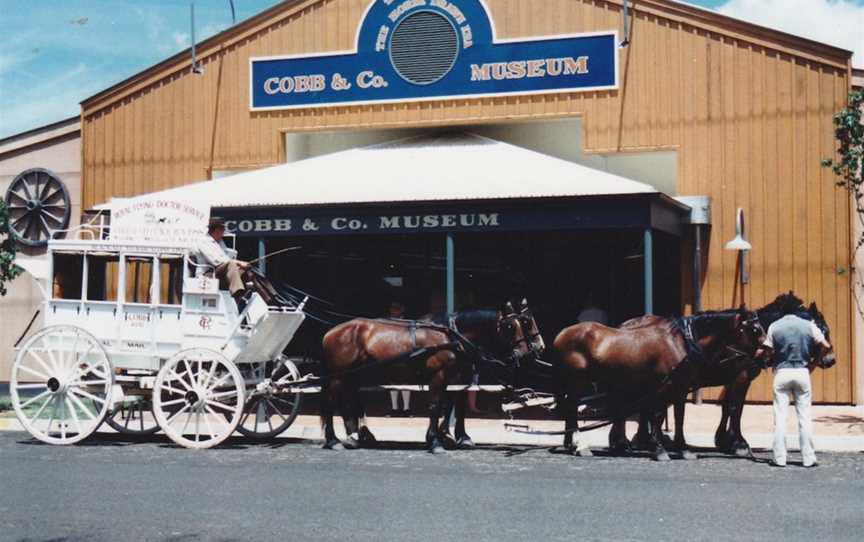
<point>366,352</point>
<point>646,368</point>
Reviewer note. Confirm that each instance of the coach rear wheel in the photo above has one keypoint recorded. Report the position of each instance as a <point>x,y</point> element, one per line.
<point>198,398</point>
<point>61,385</point>
<point>269,414</point>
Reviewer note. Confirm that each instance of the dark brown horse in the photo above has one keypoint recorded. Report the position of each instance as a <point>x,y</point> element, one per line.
<point>646,368</point>
<point>735,373</point>
<point>729,437</point>
<point>366,352</point>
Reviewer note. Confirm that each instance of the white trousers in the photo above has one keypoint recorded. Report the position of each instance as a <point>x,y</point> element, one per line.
<point>793,384</point>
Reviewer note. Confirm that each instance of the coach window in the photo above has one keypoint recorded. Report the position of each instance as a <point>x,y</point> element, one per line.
<point>68,276</point>
<point>170,279</point>
<point>139,278</point>
<point>103,277</point>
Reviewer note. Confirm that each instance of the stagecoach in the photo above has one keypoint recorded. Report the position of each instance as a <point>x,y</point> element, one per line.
<point>137,334</point>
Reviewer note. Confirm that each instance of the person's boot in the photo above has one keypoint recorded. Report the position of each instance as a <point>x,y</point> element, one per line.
<point>240,300</point>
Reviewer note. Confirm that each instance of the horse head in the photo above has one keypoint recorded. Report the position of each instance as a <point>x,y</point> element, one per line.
<point>825,357</point>
<point>531,330</point>
<point>749,335</point>
<point>510,332</point>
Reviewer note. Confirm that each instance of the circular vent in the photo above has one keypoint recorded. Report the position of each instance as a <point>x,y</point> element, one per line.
<point>38,204</point>
<point>424,47</point>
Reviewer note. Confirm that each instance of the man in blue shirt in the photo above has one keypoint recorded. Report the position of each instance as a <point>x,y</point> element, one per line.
<point>794,341</point>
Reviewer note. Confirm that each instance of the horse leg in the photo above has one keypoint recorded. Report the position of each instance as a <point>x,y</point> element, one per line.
<point>656,435</point>
<point>739,445</point>
<point>329,398</point>
<point>571,426</point>
<point>642,439</point>
<point>437,401</point>
<point>366,438</point>
<point>351,417</point>
<point>721,436</point>
<point>618,443</point>
<point>680,443</point>
<point>460,400</point>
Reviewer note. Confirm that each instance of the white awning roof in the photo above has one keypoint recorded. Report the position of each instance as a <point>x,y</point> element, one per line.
<point>439,167</point>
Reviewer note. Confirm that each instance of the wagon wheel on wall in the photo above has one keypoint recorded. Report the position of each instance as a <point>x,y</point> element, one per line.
<point>61,385</point>
<point>198,398</point>
<point>134,416</point>
<point>270,414</point>
<point>38,203</point>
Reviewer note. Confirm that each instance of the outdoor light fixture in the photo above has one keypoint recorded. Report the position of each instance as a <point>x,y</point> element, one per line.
<point>740,244</point>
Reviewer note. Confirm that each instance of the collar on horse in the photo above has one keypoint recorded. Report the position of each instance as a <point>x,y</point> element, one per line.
<point>694,351</point>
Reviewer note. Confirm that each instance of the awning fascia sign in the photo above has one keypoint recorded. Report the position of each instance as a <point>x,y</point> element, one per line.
<point>483,65</point>
<point>576,214</point>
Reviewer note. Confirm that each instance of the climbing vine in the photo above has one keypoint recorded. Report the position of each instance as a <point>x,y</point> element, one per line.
<point>849,168</point>
<point>849,132</point>
<point>8,269</point>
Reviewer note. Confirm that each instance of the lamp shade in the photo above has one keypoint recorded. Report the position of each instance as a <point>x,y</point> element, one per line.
<point>738,242</point>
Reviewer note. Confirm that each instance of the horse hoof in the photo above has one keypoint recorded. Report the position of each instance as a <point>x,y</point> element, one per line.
<point>687,454</point>
<point>584,452</point>
<point>437,450</point>
<point>662,457</point>
<point>448,441</point>
<point>621,449</point>
<point>334,445</point>
<point>367,438</point>
<point>351,443</point>
<point>742,452</point>
<point>465,442</point>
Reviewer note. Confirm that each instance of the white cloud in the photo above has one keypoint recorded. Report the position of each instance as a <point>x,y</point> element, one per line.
<point>181,40</point>
<point>836,22</point>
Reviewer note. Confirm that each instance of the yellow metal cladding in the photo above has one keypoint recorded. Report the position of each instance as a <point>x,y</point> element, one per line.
<point>747,110</point>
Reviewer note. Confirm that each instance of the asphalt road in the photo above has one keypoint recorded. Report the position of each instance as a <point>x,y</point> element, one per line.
<point>110,488</point>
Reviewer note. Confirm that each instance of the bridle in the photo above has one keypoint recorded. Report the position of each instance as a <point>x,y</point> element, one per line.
<point>752,326</point>
<point>526,321</point>
<point>510,321</point>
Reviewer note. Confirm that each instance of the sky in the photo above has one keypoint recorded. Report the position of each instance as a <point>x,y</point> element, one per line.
<point>55,53</point>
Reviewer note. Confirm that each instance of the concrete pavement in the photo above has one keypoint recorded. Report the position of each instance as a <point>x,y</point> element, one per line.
<point>836,428</point>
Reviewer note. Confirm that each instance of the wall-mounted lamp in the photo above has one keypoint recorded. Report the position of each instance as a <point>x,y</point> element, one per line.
<point>738,243</point>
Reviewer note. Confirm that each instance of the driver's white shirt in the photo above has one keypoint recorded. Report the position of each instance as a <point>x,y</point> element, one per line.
<point>211,252</point>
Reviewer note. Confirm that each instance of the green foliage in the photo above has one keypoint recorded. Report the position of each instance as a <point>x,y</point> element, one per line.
<point>849,132</point>
<point>8,269</point>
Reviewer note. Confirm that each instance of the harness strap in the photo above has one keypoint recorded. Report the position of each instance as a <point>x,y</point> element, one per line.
<point>694,351</point>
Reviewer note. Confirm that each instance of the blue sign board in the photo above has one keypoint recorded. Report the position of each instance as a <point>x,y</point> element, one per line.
<point>412,50</point>
<point>638,211</point>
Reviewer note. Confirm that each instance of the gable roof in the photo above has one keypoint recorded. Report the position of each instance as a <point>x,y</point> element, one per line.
<point>668,9</point>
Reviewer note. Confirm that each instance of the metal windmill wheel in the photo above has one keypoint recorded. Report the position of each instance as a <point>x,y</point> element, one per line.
<point>38,204</point>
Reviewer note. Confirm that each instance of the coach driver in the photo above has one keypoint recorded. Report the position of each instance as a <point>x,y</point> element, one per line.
<point>211,250</point>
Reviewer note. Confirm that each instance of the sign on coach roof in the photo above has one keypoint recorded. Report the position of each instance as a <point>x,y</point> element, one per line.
<point>157,218</point>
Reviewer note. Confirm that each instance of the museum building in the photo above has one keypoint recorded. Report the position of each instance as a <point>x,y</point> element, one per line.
<point>457,153</point>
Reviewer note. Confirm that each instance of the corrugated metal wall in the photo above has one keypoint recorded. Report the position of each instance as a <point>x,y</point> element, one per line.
<point>749,115</point>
